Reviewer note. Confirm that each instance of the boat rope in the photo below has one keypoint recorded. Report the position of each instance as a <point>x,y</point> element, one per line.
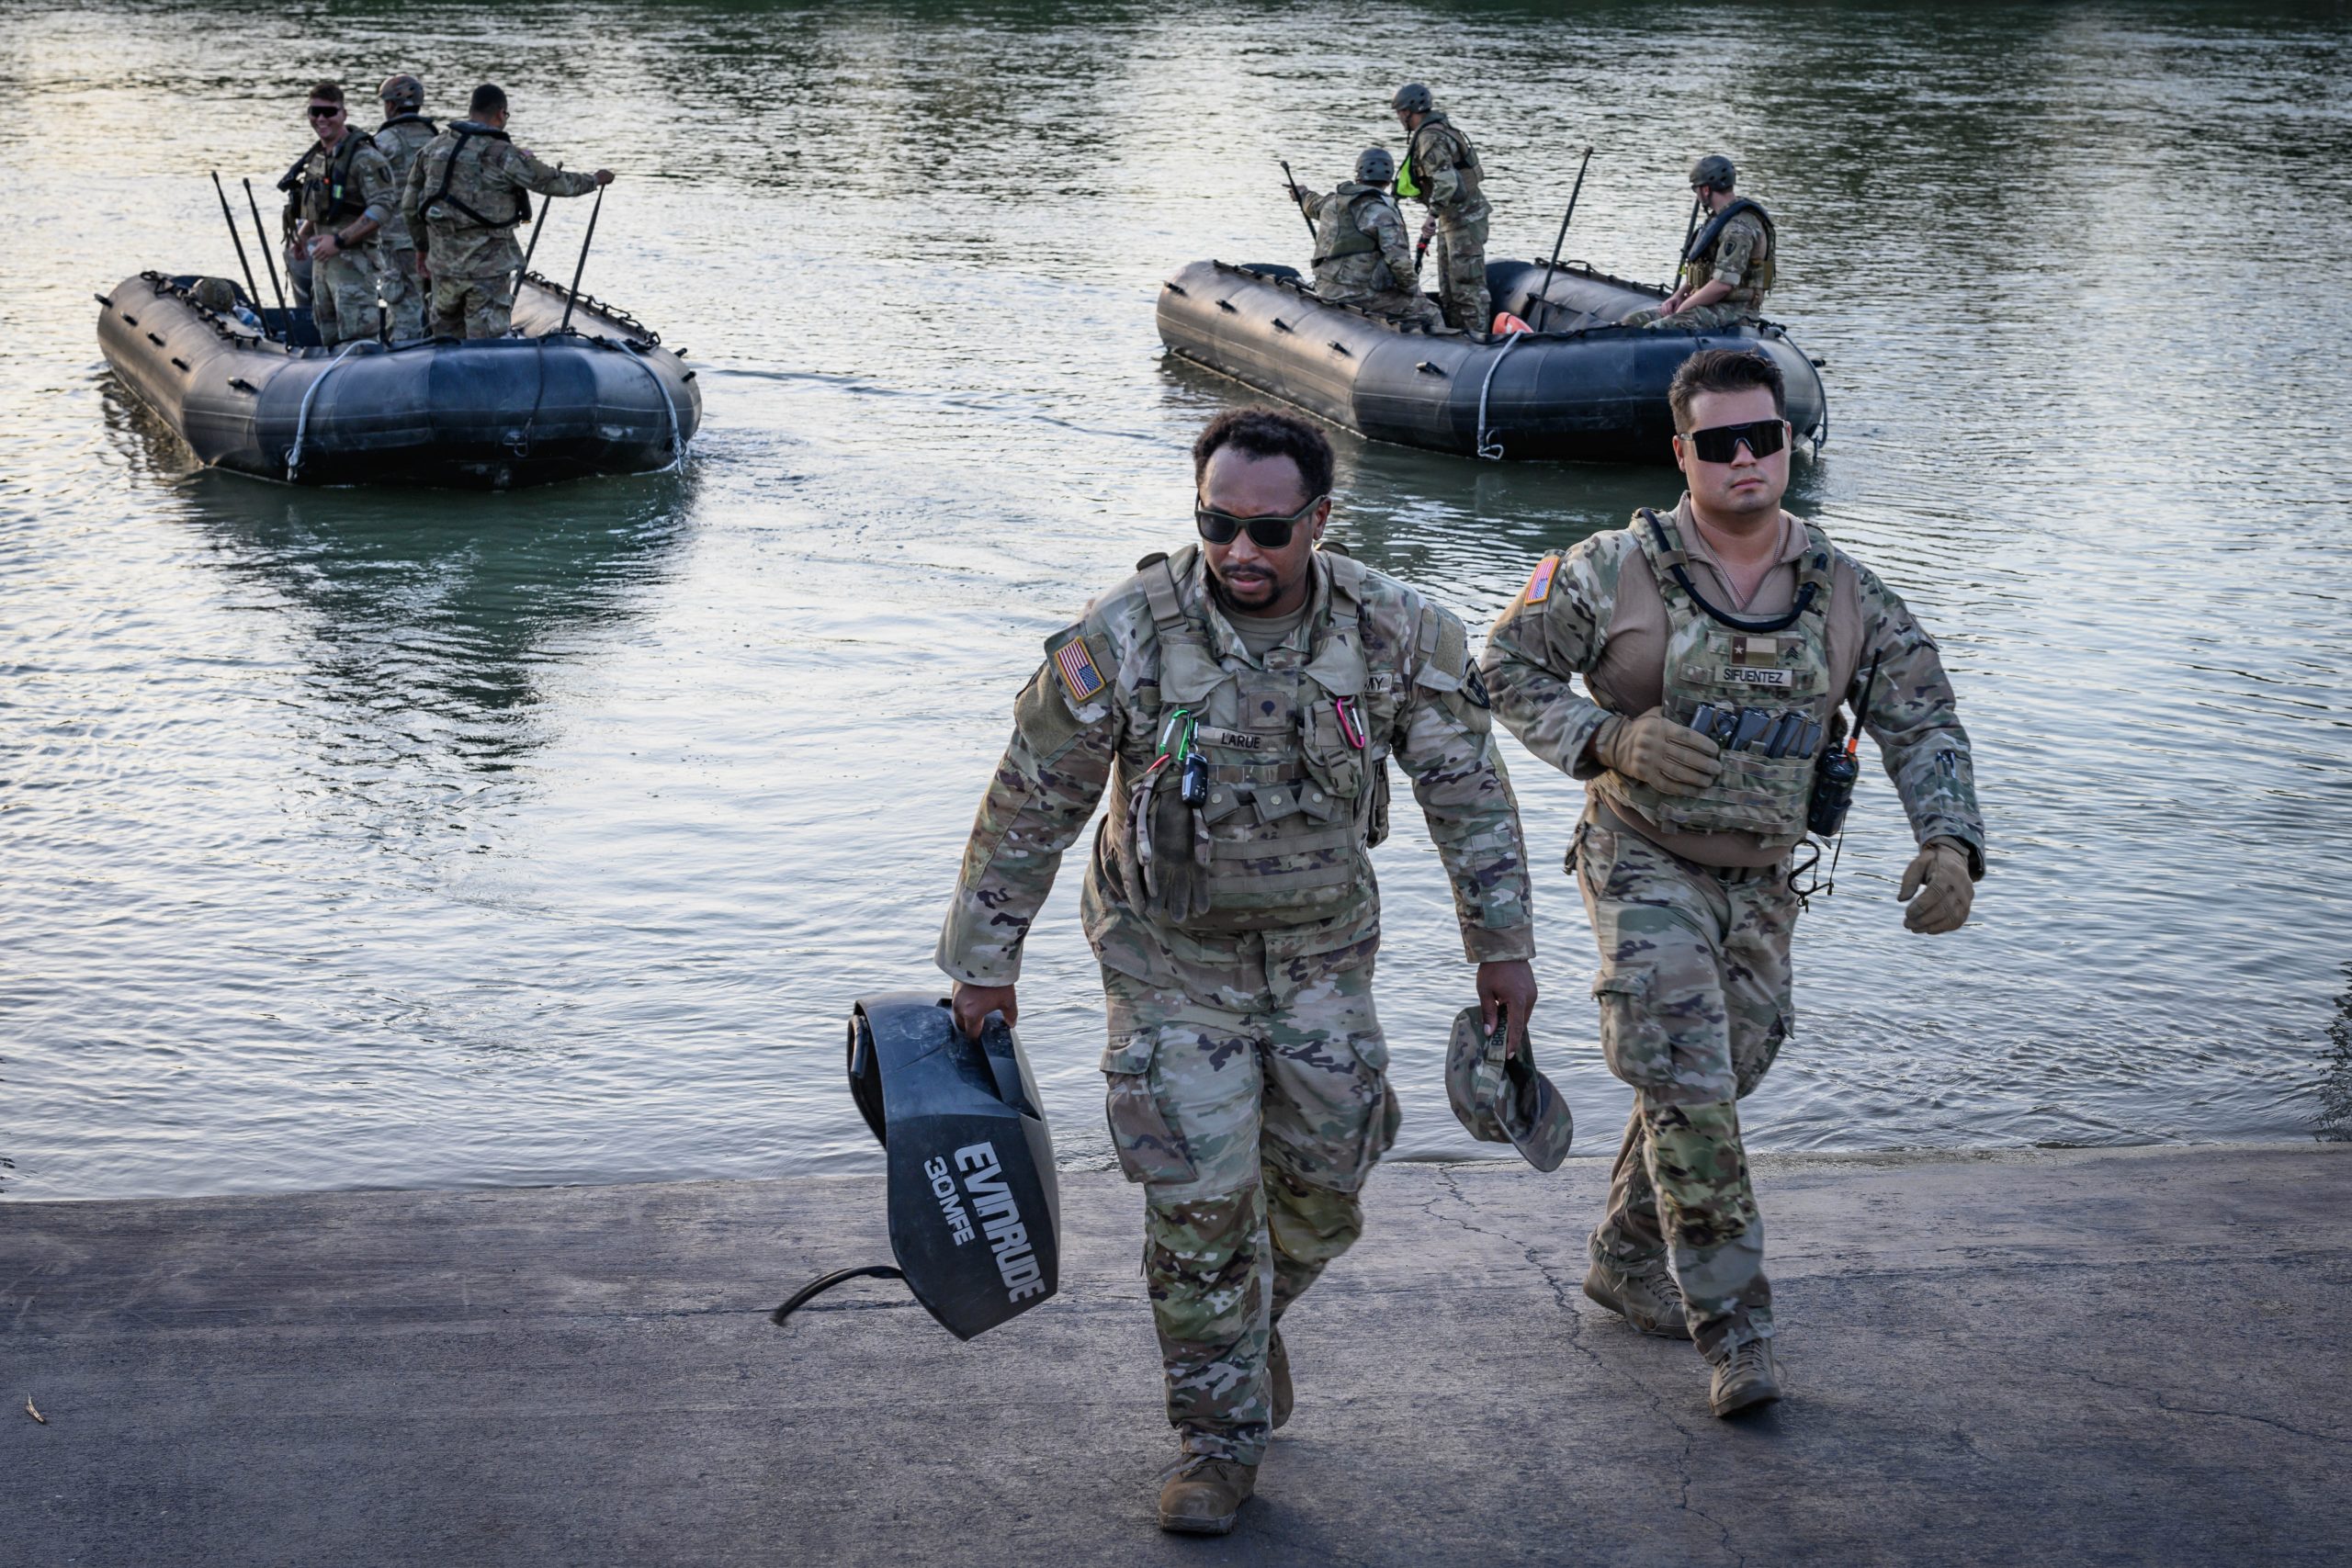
<point>302,420</point>
<point>677,436</point>
<point>1490,445</point>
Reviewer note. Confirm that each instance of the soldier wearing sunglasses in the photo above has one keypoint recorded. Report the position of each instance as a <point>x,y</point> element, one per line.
<point>343,188</point>
<point>1730,614</point>
<point>1240,701</point>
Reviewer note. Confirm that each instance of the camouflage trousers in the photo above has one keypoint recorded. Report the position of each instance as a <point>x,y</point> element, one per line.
<point>1251,1113</point>
<point>1414,310</point>
<point>342,295</point>
<point>473,307</point>
<point>403,294</point>
<point>1694,994</point>
<point>1705,319</point>
<point>1462,274</point>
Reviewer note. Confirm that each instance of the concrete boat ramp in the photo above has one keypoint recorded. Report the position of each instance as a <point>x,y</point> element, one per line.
<point>2067,1357</point>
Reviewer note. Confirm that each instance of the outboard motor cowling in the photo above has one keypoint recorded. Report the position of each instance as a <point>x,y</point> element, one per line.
<point>975,1212</point>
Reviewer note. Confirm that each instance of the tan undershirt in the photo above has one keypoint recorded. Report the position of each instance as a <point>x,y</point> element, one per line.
<point>1263,634</point>
<point>1631,677</point>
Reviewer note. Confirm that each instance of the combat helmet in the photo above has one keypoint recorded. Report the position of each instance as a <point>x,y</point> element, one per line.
<point>1374,166</point>
<point>1715,172</point>
<point>1412,99</point>
<point>404,92</point>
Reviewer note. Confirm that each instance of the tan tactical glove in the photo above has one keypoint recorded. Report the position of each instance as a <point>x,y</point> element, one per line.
<point>1938,874</point>
<point>1672,758</point>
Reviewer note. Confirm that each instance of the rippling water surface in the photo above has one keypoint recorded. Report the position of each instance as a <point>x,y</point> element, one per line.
<point>354,838</point>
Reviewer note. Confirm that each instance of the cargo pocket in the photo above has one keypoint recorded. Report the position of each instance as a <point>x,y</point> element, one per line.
<point>1756,1060</point>
<point>1149,1149</point>
<point>1634,1043</point>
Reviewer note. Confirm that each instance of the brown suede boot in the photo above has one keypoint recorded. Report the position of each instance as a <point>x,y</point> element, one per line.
<point>1747,1376</point>
<point>1651,1302</point>
<point>1205,1495</point>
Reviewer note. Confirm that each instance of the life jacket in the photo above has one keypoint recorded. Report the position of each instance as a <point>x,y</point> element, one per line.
<point>1775,666</point>
<point>1297,794</point>
<point>326,196</point>
<point>1340,230</point>
<point>449,149</point>
<point>1698,259</point>
<point>1467,170</point>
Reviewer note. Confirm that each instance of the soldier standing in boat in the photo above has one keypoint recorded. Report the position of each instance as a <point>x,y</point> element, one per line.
<point>1240,699</point>
<point>343,188</point>
<point>1363,255</point>
<point>403,135</point>
<point>1442,170</point>
<point>1731,615</point>
<point>1728,266</point>
<point>463,199</point>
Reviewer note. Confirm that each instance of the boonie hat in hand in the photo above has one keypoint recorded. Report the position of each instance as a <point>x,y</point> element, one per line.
<point>1502,1098</point>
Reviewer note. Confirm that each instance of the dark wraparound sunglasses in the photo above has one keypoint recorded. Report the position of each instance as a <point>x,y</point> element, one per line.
<point>1268,533</point>
<point>1721,443</point>
<point>325,111</point>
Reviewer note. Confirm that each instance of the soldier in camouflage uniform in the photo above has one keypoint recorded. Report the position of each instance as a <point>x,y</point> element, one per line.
<point>1728,266</point>
<point>1441,169</point>
<point>1240,701</point>
<point>1362,255</point>
<point>463,199</point>
<point>403,135</point>
<point>1684,852</point>
<point>344,189</point>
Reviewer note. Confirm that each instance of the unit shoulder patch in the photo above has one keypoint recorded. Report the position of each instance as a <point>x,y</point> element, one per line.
<point>1539,580</point>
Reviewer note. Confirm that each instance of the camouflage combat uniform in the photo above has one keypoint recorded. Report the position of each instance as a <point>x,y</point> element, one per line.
<point>1362,255</point>
<point>1689,895</point>
<point>400,140</point>
<point>464,197</point>
<point>1741,252</point>
<point>334,190</point>
<point>1444,171</point>
<point>1246,1069</point>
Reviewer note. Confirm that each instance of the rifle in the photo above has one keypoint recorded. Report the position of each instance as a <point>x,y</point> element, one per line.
<point>1289,180</point>
<point>1697,202</point>
<point>236,239</point>
<point>1561,239</point>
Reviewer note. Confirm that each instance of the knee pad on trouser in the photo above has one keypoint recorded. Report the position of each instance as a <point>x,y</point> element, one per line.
<point>1210,1283</point>
<point>404,303</point>
<point>1309,1226</point>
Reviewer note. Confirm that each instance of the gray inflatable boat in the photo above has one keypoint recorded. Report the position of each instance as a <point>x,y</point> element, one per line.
<point>603,397</point>
<point>1581,388</point>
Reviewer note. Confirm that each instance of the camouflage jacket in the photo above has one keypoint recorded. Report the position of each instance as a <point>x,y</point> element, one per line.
<point>1423,705</point>
<point>465,194</point>
<point>1444,170</point>
<point>335,188</point>
<point>400,140</point>
<point>1361,248</point>
<point>1741,259</point>
<point>1914,717</point>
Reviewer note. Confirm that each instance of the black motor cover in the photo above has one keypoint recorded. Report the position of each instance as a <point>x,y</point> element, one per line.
<point>975,1214</point>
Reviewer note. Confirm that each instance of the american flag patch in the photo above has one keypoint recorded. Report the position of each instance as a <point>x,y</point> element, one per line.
<point>1078,671</point>
<point>1539,582</point>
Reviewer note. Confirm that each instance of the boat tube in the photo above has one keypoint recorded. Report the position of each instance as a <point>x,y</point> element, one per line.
<point>1579,387</point>
<point>601,396</point>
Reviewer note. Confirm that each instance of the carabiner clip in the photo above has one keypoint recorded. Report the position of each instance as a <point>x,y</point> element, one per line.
<point>1350,726</point>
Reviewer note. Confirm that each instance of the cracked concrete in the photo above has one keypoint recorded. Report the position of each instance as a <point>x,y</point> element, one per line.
<point>2110,1357</point>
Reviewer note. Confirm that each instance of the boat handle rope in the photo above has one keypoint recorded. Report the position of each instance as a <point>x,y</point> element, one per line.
<point>1490,447</point>
<point>677,440</point>
<point>302,420</point>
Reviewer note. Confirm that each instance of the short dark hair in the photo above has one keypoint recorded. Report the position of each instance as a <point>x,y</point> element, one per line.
<point>1268,433</point>
<point>489,98</point>
<point>327,92</point>
<point>1724,370</point>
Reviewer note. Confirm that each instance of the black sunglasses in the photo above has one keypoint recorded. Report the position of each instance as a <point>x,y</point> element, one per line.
<point>1721,443</point>
<point>325,111</point>
<point>1268,533</point>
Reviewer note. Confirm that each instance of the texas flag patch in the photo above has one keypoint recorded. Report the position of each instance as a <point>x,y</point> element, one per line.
<point>1075,663</point>
<point>1539,582</point>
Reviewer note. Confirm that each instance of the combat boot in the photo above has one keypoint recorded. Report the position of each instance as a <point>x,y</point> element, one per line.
<point>1204,1494</point>
<point>1746,1375</point>
<point>1278,1377</point>
<point>1651,1302</point>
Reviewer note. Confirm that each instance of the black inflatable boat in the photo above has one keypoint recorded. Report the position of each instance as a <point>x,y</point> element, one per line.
<point>1581,388</point>
<point>603,397</point>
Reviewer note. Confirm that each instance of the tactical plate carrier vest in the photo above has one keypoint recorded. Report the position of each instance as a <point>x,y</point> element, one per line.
<point>1770,679</point>
<point>1467,170</point>
<point>1339,232</point>
<point>326,196</point>
<point>453,172</point>
<point>1296,762</point>
<point>1699,261</point>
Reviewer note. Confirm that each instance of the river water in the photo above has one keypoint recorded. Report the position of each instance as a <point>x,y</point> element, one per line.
<point>359,839</point>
